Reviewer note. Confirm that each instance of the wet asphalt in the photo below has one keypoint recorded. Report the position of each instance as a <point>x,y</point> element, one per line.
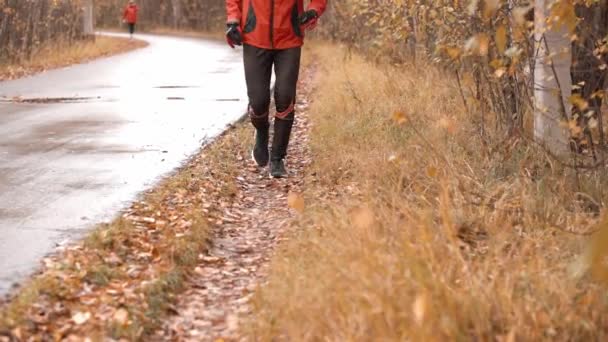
<point>78,144</point>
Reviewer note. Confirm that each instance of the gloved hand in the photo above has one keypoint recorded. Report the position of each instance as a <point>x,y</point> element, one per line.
<point>233,35</point>
<point>308,19</point>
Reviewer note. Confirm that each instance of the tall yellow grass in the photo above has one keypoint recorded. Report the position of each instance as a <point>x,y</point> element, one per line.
<point>415,229</point>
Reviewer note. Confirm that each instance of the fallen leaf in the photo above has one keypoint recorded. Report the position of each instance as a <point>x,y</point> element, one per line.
<point>296,202</point>
<point>81,317</point>
<point>121,316</point>
<point>419,308</point>
<point>363,217</point>
<point>431,171</point>
<point>501,39</point>
<point>399,117</point>
<point>500,72</point>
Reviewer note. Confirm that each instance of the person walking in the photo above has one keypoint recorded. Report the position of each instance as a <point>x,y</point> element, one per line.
<point>272,35</point>
<point>129,16</point>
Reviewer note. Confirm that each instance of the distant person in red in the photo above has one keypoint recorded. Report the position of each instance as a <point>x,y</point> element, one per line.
<point>130,16</point>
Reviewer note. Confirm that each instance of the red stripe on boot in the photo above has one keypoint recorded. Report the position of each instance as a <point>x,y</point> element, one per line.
<point>283,114</point>
<point>253,115</point>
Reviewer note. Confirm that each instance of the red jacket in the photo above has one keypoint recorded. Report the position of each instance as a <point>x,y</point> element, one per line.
<point>271,24</point>
<point>130,14</point>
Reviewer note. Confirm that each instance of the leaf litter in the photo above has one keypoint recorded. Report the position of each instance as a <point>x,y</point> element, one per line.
<point>252,226</point>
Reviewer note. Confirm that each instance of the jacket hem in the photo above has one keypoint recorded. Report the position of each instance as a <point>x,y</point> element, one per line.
<point>276,47</point>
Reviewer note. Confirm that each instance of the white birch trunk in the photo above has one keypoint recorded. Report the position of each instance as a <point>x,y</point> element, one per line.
<point>177,13</point>
<point>88,18</point>
<point>552,81</point>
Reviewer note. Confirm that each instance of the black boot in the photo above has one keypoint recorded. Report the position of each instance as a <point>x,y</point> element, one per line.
<point>280,141</point>
<point>260,149</point>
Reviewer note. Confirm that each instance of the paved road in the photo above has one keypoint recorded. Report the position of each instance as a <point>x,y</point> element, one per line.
<point>105,131</point>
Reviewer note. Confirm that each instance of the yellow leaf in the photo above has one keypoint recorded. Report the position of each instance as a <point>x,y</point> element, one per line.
<point>500,72</point>
<point>519,14</point>
<point>419,308</point>
<point>484,43</point>
<point>363,218</point>
<point>431,171</point>
<point>501,39</point>
<point>453,52</point>
<point>478,44</point>
<point>496,64</point>
<point>399,117</point>
<point>511,336</point>
<point>598,94</point>
<point>563,14</point>
<point>574,128</point>
<point>121,316</point>
<point>447,124</point>
<point>295,201</point>
<point>490,8</point>
<point>579,102</point>
<point>597,252</point>
<point>81,317</point>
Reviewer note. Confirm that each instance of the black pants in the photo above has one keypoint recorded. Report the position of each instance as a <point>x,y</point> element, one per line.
<point>131,27</point>
<point>258,71</point>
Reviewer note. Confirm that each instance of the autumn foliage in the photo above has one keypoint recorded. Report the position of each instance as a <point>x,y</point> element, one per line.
<point>490,47</point>
<point>25,26</point>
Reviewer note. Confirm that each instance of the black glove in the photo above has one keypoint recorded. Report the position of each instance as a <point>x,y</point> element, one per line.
<point>233,35</point>
<point>308,17</point>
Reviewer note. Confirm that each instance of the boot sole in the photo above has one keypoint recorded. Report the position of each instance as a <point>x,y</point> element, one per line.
<point>277,176</point>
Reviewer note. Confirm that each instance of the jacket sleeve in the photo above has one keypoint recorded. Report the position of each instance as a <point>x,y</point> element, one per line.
<point>233,11</point>
<point>124,14</point>
<point>318,5</point>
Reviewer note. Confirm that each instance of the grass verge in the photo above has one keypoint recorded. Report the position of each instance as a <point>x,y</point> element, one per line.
<point>54,56</point>
<point>121,280</point>
<point>417,228</point>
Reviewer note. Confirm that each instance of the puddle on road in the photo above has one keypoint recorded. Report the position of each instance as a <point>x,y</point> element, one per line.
<point>6,213</point>
<point>54,100</point>
<point>68,128</point>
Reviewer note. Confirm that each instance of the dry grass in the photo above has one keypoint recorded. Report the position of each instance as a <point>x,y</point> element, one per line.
<point>138,262</point>
<point>59,55</point>
<point>417,230</point>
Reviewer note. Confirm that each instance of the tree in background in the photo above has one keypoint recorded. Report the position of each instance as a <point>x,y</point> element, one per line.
<point>589,69</point>
<point>520,74</point>
<point>25,26</point>
<point>552,80</point>
<point>88,17</point>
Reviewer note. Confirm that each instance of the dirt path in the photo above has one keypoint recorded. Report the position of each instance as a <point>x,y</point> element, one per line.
<point>217,296</point>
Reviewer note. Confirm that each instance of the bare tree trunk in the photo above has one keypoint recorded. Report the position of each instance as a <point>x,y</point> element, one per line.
<point>177,13</point>
<point>552,81</point>
<point>88,18</point>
